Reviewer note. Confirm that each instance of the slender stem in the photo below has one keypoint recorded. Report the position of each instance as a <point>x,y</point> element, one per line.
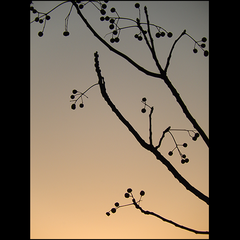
<point>170,54</point>
<point>150,126</point>
<point>163,135</point>
<point>175,143</point>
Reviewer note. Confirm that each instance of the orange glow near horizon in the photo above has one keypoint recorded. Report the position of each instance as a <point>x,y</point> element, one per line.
<point>83,161</point>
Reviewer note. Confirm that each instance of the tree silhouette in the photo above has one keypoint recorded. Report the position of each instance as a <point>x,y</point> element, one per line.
<point>145,33</point>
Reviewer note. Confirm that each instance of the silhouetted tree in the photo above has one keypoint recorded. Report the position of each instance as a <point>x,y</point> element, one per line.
<point>162,74</point>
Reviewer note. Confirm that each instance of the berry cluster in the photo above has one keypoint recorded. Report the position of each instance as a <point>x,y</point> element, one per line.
<point>114,23</point>
<point>41,17</point>
<point>144,100</point>
<point>126,195</point>
<point>183,156</point>
<point>79,95</point>
<point>201,44</point>
<point>114,26</point>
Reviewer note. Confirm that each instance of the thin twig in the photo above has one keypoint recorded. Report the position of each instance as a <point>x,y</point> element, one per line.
<point>167,220</point>
<point>163,135</point>
<point>170,54</point>
<point>150,126</point>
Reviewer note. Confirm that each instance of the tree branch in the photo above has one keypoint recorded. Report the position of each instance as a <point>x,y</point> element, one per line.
<point>145,145</point>
<point>167,220</point>
<point>150,126</point>
<point>163,135</point>
<point>162,74</point>
<point>140,68</point>
<point>170,54</point>
<point>113,107</point>
<point>151,48</point>
<point>185,110</point>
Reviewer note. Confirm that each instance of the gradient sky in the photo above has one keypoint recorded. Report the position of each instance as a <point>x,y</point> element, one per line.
<point>83,161</point>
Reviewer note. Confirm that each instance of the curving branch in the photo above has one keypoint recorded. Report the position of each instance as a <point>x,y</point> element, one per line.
<point>147,146</point>
<point>167,220</point>
<point>170,54</point>
<point>140,68</point>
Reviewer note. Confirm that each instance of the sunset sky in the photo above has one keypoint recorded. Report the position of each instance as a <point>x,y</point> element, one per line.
<point>83,160</point>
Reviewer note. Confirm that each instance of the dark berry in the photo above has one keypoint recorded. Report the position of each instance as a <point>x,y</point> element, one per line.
<point>102,18</point>
<point>194,138</point>
<point>183,156</point>
<point>137,5</point>
<point>203,45</point>
<point>185,144</point>
<point>40,21</point>
<point>81,105</point>
<point>115,32</point>
<point>36,19</point>
<point>158,35</point>
<point>73,106</point>
<point>117,39</point>
<point>136,35</point>
<point>48,17</point>
<point>142,193</point>
<point>143,110</point>
<point>170,153</point>
<point>111,26</point>
<point>81,6</point>
<point>126,195</point>
<point>204,39</point>
<point>140,38</point>
<point>144,99</point>
<point>169,34</point>
<point>104,6</point>
<point>112,20</point>
<point>113,210</point>
<point>116,204</point>
<point>74,91</point>
<point>40,34</point>
<point>162,34</point>
<point>72,96</point>
<point>186,160</point>
<point>108,213</point>
<point>195,50</point>
<point>144,32</point>
<point>34,11</point>
<point>106,1</point>
<point>129,190</point>
<point>107,18</point>
<point>112,40</point>
<point>65,33</point>
<point>103,12</point>
<point>182,161</point>
<point>112,9</point>
<point>206,53</point>
<point>196,135</point>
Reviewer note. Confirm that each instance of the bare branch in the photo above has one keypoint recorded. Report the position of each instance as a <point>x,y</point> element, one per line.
<point>170,54</point>
<point>113,107</point>
<point>140,68</point>
<point>152,49</point>
<point>167,220</point>
<point>163,135</point>
<point>150,126</point>
<point>147,146</point>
